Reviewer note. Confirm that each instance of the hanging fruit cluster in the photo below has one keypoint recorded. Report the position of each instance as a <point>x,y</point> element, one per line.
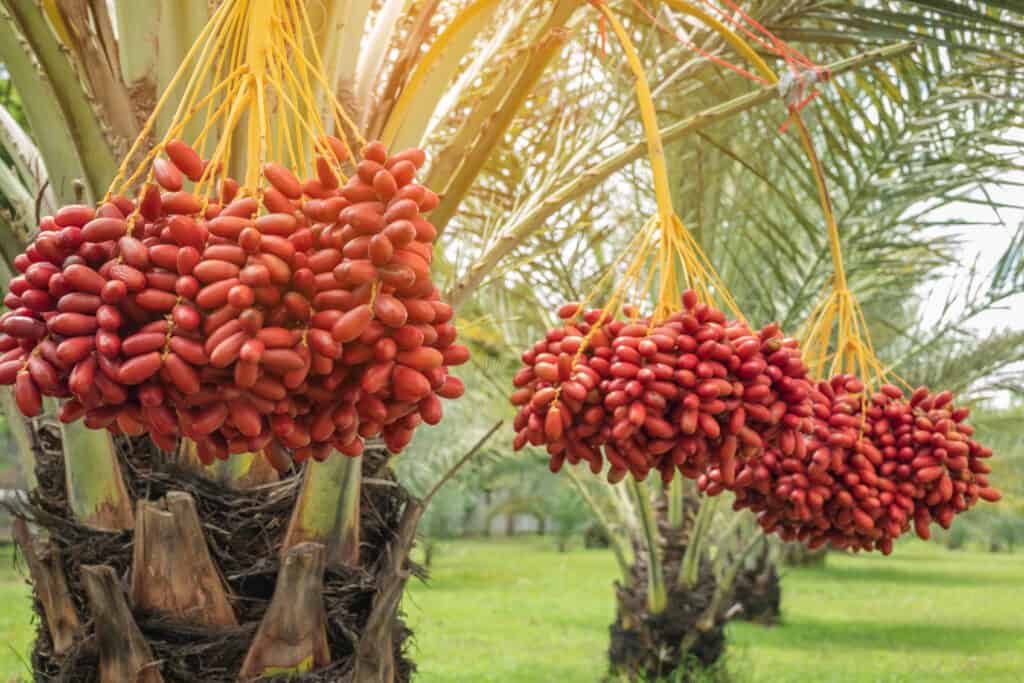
<point>300,317</point>
<point>688,393</point>
<point>873,466</point>
<point>735,410</point>
<point>689,390</point>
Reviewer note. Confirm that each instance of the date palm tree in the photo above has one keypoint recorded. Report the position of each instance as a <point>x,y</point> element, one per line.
<point>156,569</point>
<point>902,181</point>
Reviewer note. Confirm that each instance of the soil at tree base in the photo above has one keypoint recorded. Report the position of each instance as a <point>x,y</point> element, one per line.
<point>244,531</point>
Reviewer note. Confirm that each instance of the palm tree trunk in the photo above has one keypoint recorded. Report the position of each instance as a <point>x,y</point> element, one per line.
<point>204,628</point>
<point>648,645</point>
<point>796,554</point>
<point>758,588</point>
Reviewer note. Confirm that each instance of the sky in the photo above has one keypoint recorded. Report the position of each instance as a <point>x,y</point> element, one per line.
<point>983,245</point>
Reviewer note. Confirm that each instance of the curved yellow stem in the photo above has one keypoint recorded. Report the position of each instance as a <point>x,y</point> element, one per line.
<point>427,62</point>
<point>728,35</point>
<point>143,137</point>
<point>645,100</point>
<point>853,351</point>
<point>742,47</point>
<point>679,257</point>
<point>259,46</point>
<point>826,204</point>
<point>248,81</point>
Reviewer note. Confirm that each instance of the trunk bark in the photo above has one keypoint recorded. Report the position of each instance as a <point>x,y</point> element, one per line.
<point>229,541</point>
<point>680,640</point>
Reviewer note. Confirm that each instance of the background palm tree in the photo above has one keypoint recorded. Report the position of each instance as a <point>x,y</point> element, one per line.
<point>900,163</point>
<point>532,134</point>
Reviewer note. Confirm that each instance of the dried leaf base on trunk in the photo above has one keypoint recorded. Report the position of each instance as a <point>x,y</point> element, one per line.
<point>124,654</point>
<point>647,647</point>
<point>172,573</point>
<point>292,637</point>
<point>243,531</point>
<point>243,472</point>
<point>51,586</point>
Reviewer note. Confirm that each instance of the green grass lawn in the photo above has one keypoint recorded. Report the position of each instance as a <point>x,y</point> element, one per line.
<point>514,611</point>
<point>16,629</point>
<point>519,611</point>
<point>921,614</point>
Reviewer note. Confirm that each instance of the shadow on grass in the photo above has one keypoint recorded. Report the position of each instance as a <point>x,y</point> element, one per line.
<point>910,575</point>
<point>469,581</point>
<point>814,634</point>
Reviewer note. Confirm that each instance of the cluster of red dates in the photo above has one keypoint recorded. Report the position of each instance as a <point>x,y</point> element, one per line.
<point>734,409</point>
<point>295,319</point>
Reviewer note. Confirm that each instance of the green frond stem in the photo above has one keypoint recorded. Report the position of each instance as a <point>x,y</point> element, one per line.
<point>548,41</point>
<point>722,591</point>
<point>11,244</point>
<point>14,191</point>
<point>181,21</point>
<point>57,146</point>
<point>67,91</point>
<point>494,51</point>
<point>419,26</point>
<point>690,569</point>
<point>96,492</point>
<point>242,471</point>
<point>339,25</point>
<point>675,493</point>
<point>373,57</point>
<point>739,524</point>
<point>327,510</point>
<point>27,160</point>
<point>135,51</point>
<point>657,595</point>
<point>582,183</point>
<point>345,551</point>
<point>450,157</point>
<point>410,113</point>
<point>618,547</point>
